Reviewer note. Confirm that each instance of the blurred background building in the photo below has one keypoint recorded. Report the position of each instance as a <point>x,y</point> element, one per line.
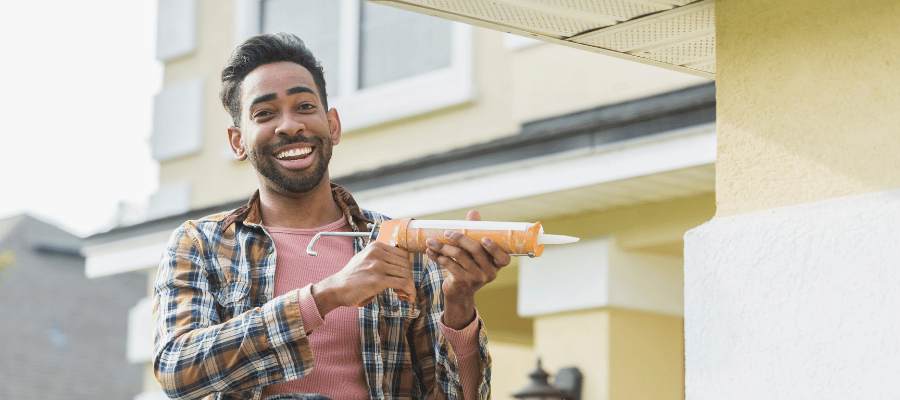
<point>62,335</point>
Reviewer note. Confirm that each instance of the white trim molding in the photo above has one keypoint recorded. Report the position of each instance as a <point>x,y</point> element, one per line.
<point>127,255</point>
<point>596,274</point>
<point>669,151</point>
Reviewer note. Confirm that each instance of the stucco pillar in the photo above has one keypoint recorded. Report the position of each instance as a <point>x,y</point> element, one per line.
<point>615,315</point>
<point>791,290</point>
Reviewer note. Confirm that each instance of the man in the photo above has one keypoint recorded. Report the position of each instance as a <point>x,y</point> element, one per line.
<point>241,312</point>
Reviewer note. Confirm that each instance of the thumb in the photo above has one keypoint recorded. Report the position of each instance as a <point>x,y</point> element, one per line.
<point>473,216</point>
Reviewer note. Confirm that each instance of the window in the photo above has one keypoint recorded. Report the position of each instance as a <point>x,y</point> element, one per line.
<point>381,63</point>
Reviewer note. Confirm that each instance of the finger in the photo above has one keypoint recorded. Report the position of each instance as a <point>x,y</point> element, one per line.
<point>365,302</point>
<point>390,249</point>
<point>397,271</point>
<point>473,249</point>
<point>501,257</point>
<point>473,216</point>
<point>448,263</point>
<point>454,253</point>
<point>406,286</point>
<point>391,255</point>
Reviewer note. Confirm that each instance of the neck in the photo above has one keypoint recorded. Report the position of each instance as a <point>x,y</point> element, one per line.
<point>308,210</point>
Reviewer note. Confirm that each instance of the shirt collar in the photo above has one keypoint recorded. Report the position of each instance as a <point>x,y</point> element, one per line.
<point>249,213</point>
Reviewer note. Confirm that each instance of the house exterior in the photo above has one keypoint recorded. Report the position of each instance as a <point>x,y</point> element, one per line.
<point>63,335</point>
<point>615,152</point>
<point>790,288</point>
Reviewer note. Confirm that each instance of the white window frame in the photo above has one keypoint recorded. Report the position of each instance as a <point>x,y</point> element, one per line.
<point>402,98</point>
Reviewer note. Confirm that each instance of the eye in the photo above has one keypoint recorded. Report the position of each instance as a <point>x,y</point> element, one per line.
<point>262,114</point>
<point>306,107</point>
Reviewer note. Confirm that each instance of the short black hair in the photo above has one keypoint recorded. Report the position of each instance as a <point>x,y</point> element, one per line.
<point>260,50</point>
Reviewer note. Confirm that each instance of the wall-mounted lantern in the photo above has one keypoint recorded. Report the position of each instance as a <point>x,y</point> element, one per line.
<point>566,385</point>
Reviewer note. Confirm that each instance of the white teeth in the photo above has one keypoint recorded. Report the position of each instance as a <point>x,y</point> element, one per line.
<point>294,152</point>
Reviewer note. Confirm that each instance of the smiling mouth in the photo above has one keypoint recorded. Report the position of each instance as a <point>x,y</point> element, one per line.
<point>294,154</point>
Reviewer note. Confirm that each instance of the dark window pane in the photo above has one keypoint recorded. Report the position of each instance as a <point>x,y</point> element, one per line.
<point>395,44</point>
<point>316,22</point>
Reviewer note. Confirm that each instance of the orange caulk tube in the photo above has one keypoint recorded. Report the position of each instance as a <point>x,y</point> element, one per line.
<point>515,238</point>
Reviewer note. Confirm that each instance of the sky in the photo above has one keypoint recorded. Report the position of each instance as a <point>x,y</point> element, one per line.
<point>76,108</point>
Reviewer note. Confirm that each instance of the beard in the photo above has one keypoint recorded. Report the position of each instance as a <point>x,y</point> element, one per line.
<point>290,181</point>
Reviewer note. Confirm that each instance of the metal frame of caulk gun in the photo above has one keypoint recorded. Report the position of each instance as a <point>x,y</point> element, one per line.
<point>370,235</point>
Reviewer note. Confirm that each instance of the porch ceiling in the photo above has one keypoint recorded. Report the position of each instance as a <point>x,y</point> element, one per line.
<point>673,34</point>
<point>653,188</point>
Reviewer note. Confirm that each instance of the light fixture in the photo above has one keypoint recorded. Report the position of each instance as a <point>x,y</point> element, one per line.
<point>567,385</point>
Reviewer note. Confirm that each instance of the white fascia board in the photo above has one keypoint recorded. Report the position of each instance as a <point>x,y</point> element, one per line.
<point>565,278</point>
<point>595,273</point>
<point>133,254</point>
<point>682,148</point>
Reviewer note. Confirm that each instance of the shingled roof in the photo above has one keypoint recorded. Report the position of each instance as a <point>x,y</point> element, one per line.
<point>63,335</point>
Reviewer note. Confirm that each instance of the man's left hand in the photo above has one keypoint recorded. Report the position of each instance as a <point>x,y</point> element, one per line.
<point>472,265</point>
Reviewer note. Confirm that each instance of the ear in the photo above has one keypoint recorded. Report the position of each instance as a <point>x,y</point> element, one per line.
<point>237,145</point>
<point>334,124</point>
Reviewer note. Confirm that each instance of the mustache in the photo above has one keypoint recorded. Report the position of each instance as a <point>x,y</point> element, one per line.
<point>285,141</point>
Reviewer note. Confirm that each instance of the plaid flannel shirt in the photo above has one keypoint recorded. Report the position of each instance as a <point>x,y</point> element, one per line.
<point>220,334</point>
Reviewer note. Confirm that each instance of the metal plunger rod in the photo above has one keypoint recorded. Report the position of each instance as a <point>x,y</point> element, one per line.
<point>309,249</point>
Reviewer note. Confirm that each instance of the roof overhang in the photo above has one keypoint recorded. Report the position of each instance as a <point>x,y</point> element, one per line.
<point>669,165</point>
<point>674,34</point>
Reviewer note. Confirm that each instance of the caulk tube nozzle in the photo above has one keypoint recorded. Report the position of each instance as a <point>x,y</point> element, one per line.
<point>544,238</point>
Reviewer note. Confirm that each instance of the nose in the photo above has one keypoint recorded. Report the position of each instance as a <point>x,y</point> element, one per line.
<point>290,125</point>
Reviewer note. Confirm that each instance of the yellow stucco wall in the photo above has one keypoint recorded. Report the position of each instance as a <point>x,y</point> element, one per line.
<point>576,339</point>
<point>807,101</point>
<point>622,354</point>
<point>646,356</point>
<point>510,369</point>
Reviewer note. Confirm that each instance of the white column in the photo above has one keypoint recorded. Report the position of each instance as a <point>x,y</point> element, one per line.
<point>799,302</point>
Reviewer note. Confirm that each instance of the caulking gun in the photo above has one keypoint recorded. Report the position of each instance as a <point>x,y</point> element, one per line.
<point>515,238</point>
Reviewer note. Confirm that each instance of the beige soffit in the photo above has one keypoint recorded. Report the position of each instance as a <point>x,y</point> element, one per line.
<point>674,34</point>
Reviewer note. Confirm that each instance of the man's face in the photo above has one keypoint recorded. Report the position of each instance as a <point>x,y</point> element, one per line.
<point>285,132</point>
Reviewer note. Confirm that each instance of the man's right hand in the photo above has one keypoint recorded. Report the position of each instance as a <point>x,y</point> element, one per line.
<point>378,267</point>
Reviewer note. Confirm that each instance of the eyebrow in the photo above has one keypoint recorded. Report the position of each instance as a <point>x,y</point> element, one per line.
<point>300,89</point>
<point>260,99</point>
<point>272,96</point>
